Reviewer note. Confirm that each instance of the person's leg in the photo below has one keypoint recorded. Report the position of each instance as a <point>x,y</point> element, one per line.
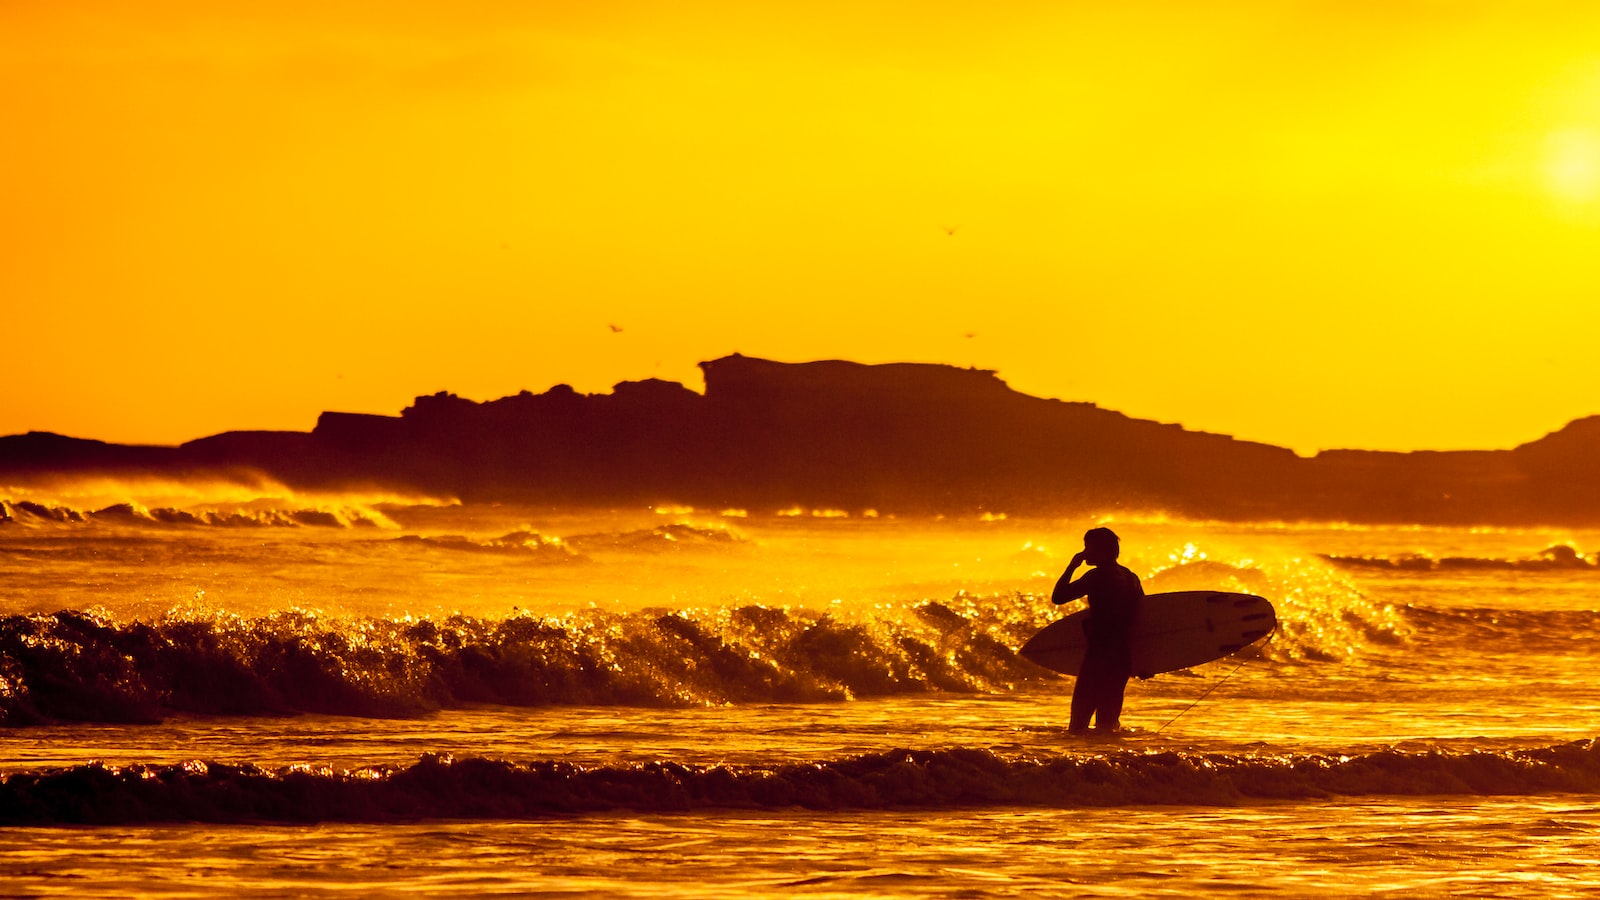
<point>1109,702</point>
<point>1084,693</point>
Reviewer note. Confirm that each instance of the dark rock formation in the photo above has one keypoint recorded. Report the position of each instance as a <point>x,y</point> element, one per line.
<point>900,437</point>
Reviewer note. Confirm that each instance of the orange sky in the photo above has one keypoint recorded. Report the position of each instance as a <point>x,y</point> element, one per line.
<point>1335,224</point>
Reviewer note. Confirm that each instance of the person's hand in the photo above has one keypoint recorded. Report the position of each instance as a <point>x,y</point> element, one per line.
<point>1077,560</point>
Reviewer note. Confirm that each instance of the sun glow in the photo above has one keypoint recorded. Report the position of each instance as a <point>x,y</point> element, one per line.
<point>1572,164</point>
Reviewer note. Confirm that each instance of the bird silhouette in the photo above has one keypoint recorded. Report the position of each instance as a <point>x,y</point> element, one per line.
<point>615,329</point>
<point>950,230</point>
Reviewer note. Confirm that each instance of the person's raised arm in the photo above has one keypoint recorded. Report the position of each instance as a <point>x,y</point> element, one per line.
<point>1066,591</point>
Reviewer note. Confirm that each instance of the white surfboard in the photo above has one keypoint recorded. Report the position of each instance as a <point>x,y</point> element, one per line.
<point>1172,631</point>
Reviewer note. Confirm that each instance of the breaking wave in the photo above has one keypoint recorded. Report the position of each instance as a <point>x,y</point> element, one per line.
<point>1559,558</point>
<point>439,786</point>
<point>1534,629</point>
<point>528,543</point>
<point>88,666</point>
<point>662,537</point>
<point>27,512</point>
<point>523,544</point>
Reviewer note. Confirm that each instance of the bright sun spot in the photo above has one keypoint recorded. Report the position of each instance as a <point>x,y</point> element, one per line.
<point>1572,164</point>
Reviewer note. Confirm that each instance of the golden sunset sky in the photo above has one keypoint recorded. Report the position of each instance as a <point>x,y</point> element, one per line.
<point>1334,224</point>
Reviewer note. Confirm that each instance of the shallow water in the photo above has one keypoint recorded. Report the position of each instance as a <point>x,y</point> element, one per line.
<point>1516,847</point>
<point>1410,729</point>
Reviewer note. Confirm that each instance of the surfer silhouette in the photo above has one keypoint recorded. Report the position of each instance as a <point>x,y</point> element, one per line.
<point>1114,593</point>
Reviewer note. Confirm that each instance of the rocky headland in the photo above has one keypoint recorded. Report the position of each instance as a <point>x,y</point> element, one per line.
<point>911,438</point>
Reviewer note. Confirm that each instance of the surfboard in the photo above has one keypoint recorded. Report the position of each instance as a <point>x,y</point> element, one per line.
<point>1173,631</point>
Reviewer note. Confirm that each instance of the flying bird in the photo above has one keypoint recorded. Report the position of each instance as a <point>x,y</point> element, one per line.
<point>615,329</point>
<point>950,230</point>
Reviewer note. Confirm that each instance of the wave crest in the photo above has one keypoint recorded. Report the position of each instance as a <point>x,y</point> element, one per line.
<point>1557,558</point>
<point>27,512</point>
<point>662,537</point>
<point>439,786</point>
<point>87,667</point>
<point>523,543</point>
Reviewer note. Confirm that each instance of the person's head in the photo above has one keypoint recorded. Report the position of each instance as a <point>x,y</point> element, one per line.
<point>1101,546</point>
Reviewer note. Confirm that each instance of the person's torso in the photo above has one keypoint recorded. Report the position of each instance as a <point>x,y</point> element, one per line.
<point>1114,595</point>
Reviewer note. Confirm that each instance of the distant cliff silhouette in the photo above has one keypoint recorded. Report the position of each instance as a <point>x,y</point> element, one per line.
<point>899,438</point>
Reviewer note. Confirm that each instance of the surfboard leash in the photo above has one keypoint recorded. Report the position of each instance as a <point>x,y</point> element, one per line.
<point>1218,683</point>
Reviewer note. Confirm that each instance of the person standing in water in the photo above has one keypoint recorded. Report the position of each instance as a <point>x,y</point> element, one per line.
<point>1114,593</point>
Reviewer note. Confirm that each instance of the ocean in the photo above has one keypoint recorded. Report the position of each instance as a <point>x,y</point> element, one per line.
<point>389,696</point>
